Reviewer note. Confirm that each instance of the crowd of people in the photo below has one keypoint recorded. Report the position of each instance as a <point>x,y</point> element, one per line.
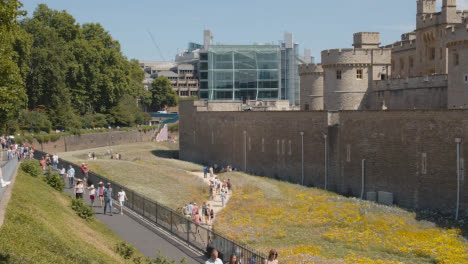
<point>215,258</point>
<point>14,150</point>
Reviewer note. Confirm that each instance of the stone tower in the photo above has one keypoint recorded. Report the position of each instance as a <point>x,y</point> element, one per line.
<point>449,12</point>
<point>349,73</point>
<point>311,86</point>
<point>426,7</point>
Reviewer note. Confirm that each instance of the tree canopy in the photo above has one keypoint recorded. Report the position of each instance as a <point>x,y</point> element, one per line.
<point>50,62</point>
<point>162,93</point>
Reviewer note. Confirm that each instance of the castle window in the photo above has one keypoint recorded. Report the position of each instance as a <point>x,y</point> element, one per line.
<point>440,50</point>
<point>306,107</point>
<point>402,63</point>
<point>338,75</point>
<point>411,62</point>
<point>393,64</point>
<point>456,59</point>
<point>359,74</point>
<point>433,53</point>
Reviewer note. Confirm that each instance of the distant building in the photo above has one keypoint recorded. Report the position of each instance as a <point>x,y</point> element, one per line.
<point>183,76</point>
<point>237,72</point>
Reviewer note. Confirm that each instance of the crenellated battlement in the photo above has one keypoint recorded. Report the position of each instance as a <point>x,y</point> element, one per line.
<point>310,68</point>
<point>457,34</point>
<point>355,56</point>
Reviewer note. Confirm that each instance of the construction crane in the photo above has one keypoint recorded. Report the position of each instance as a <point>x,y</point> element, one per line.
<point>156,45</point>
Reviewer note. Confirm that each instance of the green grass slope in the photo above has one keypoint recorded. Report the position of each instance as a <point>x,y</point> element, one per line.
<point>40,227</point>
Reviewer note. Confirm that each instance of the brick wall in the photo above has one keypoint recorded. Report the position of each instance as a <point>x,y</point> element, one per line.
<point>86,141</point>
<point>411,154</point>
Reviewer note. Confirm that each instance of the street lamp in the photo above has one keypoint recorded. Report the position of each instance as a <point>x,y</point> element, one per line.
<point>302,144</point>
<point>458,141</point>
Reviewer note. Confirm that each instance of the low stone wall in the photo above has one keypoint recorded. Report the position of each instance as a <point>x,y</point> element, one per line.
<point>86,141</point>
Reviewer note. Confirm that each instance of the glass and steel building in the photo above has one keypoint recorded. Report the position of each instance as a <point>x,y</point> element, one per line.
<point>240,72</point>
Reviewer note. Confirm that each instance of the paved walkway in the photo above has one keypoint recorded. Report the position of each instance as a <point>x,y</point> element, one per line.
<point>145,236</point>
<point>5,192</point>
<point>8,173</point>
<point>215,204</point>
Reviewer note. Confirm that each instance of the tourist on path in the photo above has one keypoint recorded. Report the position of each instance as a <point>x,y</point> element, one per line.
<point>204,214</point>
<point>190,208</point>
<point>223,197</point>
<point>100,192</point>
<point>214,258</point>
<point>211,215</point>
<point>205,172</point>
<point>272,257</point>
<point>79,189</point>
<point>43,163</point>
<point>71,176</point>
<point>194,209</point>
<point>108,198</point>
<point>211,172</point>
<point>62,171</point>
<point>122,198</point>
<point>92,194</point>
<point>233,259</point>
<point>55,161</point>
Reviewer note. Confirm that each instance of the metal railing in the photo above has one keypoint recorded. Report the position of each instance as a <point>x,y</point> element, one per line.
<point>8,168</point>
<point>197,236</point>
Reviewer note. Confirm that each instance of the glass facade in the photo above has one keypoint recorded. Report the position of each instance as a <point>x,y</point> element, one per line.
<point>244,72</point>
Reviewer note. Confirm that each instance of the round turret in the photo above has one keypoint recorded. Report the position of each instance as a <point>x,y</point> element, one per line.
<point>311,86</point>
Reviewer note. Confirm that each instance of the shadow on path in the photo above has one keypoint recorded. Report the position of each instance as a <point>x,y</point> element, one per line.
<point>168,154</point>
<point>144,236</point>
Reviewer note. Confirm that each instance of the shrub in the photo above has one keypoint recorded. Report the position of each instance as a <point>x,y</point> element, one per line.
<point>54,137</point>
<point>29,138</point>
<point>31,167</point>
<point>82,210</point>
<point>54,180</point>
<point>19,140</point>
<point>173,127</point>
<point>125,250</point>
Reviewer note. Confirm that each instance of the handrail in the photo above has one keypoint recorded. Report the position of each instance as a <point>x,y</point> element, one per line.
<point>173,222</point>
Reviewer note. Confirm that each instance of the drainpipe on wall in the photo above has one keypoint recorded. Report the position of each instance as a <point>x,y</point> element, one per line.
<point>326,160</point>
<point>302,144</point>
<point>363,174</point>
<point>458,141</point>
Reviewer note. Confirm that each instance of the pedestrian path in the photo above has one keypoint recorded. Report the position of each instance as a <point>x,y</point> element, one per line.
<point>215,204</point>
<point>9,172</point>
<point>145,236</point>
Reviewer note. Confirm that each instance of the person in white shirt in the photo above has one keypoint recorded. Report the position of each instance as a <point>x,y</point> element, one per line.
<point>71,176</point>
<point>122,198</point>
<point>214,258</point>
<point>55,160</point>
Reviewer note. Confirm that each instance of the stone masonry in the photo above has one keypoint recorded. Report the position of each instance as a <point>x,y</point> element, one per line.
<point>410,154</point>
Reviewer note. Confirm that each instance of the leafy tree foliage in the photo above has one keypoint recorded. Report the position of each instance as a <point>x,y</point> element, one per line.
<point>162,93</point>
<point>69,70</point>
<point>12,93</point>
<point>36,120</point>
<point>127,113</point>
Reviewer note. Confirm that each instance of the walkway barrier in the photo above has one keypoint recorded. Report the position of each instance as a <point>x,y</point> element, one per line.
<point>8,168</point>
<point>199,237</point>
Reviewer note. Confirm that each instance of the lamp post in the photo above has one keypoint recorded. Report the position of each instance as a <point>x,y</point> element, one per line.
<point>245,151</point>
<point>325,137</point>
<point>458,141</point>
<point>302,144</point>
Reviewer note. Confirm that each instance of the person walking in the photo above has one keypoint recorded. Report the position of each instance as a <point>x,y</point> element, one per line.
<point>100,192</point>
<point>211,215</point>
<point>79,189</point>
<point>212,191</point>
<point>92,194</point>
<point>197,219</point>
<point>55,161</point>
<point>204,214</point>
<point>233,259</point>
<point>71,176</point>
<point>122,198</point>
<point>223,196</point>
<point>194,209</point>
<point>190,208</point>
<point>214,258</point>
<point>43,163</point>
<point>205,172</point>
<point>272,257</point>
<point>108,198</point>
<point>211,171</point>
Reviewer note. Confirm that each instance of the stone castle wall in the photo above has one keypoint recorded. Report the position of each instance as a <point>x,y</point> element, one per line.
<point>411,154</point>
<point>86,141</point>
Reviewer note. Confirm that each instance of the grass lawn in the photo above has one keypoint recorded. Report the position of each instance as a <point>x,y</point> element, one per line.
<point>41,227</point>
<point>315,226</point>
<point>306,225</point>
<point>149,169</point>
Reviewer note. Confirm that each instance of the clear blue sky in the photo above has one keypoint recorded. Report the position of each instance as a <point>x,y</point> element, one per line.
<point>316,24</point>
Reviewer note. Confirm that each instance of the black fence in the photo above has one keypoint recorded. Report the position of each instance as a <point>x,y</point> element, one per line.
<point>197,236</point>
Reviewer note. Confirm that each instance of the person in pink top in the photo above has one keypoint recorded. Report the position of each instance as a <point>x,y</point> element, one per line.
<point>100,192</point>
<point>195,209</point>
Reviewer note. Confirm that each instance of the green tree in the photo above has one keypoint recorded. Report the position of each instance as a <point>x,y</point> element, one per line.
<point>162,93</point>
<point>12,92</point>
<point>38,120</point>
<point>127,113</point>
